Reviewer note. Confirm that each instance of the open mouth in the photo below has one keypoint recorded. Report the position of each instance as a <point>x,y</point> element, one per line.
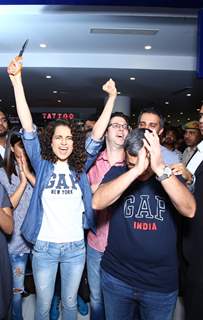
<point>120,136</point>
<point>63,150</point>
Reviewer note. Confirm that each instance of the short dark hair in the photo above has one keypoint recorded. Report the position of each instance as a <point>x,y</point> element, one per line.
<point>152,110</point>
<point>91,117</point>
<point>121,115</point>
<point>134,141</point>
<point>3,110</point>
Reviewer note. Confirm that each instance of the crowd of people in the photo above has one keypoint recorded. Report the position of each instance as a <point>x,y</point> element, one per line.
<point>123,203</point>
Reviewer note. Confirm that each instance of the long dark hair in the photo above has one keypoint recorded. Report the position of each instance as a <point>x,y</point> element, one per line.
<point>9,158</point>
<point>77,158</point>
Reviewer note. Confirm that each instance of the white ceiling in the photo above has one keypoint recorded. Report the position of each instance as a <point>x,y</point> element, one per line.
<point>80,61</point>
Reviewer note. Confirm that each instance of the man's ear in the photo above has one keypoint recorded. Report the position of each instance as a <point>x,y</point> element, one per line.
<point>160,131</point>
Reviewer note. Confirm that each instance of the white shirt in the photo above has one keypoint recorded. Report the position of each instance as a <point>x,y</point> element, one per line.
<point>2,151</point>
<point>194,163</point>
<point>62,208</point>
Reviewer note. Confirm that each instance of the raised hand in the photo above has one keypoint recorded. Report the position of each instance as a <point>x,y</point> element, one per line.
<point>152,144</point>
<point>142,161</point>
<point>110,88</point>
<point>23,178</point>
<point>180,169</point>
<point>14,68</point>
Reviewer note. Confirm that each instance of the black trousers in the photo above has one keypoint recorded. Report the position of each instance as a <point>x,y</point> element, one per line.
<point>193,291</point>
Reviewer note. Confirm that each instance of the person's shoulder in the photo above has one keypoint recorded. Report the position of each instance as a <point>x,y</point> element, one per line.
<point>169,156</point>
<point>114,172</point>
<point>3,193</point>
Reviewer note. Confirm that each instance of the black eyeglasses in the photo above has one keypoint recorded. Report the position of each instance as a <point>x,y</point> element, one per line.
<point>119,126</point>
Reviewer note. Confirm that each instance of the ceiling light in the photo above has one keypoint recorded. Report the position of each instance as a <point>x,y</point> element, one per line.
<point>198,109</point>
<point>43,45</point>
<point>55,91</point>
<point>118,92</point>
<point>178,120</point>
<point>132,78</point>
<point>147,47</point>
<point>48,77</point>
<point>166,102</point>
<point>188,94</point>
<point>59,101</point>
<point>188,119</point>
<point>0,100</point>
<point>181,113</point>
<point>168,115</point>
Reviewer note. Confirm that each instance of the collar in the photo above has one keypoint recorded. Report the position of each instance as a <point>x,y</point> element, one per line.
<point>103,156</point>
<point>200,146</point>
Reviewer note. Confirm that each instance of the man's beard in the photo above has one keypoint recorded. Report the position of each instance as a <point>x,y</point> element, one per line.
<point>3,134</point>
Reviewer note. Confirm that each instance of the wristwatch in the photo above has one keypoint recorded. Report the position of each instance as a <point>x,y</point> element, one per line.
<point>167,172</point>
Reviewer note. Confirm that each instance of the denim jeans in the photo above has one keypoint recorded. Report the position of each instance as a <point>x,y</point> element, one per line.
<point>94,278</point>
<point>124,302</point>
<point>46,257</point>
<point>18,265</point>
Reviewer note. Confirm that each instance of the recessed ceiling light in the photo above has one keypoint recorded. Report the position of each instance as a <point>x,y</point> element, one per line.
<point>0,100</point>
<point>168,115</point>
<point>188,94</point>
<point>147,47</point>
<point>188,119</point>
<point>178,120</point>
<point>48,77</point>
<point>12,106</point>
<point>59,101</point>
<point>132,78</point>
<point>55,91</point>
<point>118,92</point>
<point>43,45</point>
<point>166,102</point>
<point>198,109</point>
<point>181,113</point>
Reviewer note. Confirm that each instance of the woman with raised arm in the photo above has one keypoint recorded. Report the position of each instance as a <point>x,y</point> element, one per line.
<point>17,178</point>
<point>60,207</point>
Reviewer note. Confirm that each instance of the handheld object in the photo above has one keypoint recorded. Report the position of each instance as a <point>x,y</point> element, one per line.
<point>18,58</point>
<point>23,48</point>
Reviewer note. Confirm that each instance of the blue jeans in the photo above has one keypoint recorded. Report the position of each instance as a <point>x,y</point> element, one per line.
<point>94,278</point>
<point>46,257</point>
<point>18,265</point>
<point>124,302</point>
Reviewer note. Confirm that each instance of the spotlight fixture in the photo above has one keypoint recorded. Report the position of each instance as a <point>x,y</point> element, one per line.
<point>43,45</point>
<point>147,47</point>
<point>48,77</point>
